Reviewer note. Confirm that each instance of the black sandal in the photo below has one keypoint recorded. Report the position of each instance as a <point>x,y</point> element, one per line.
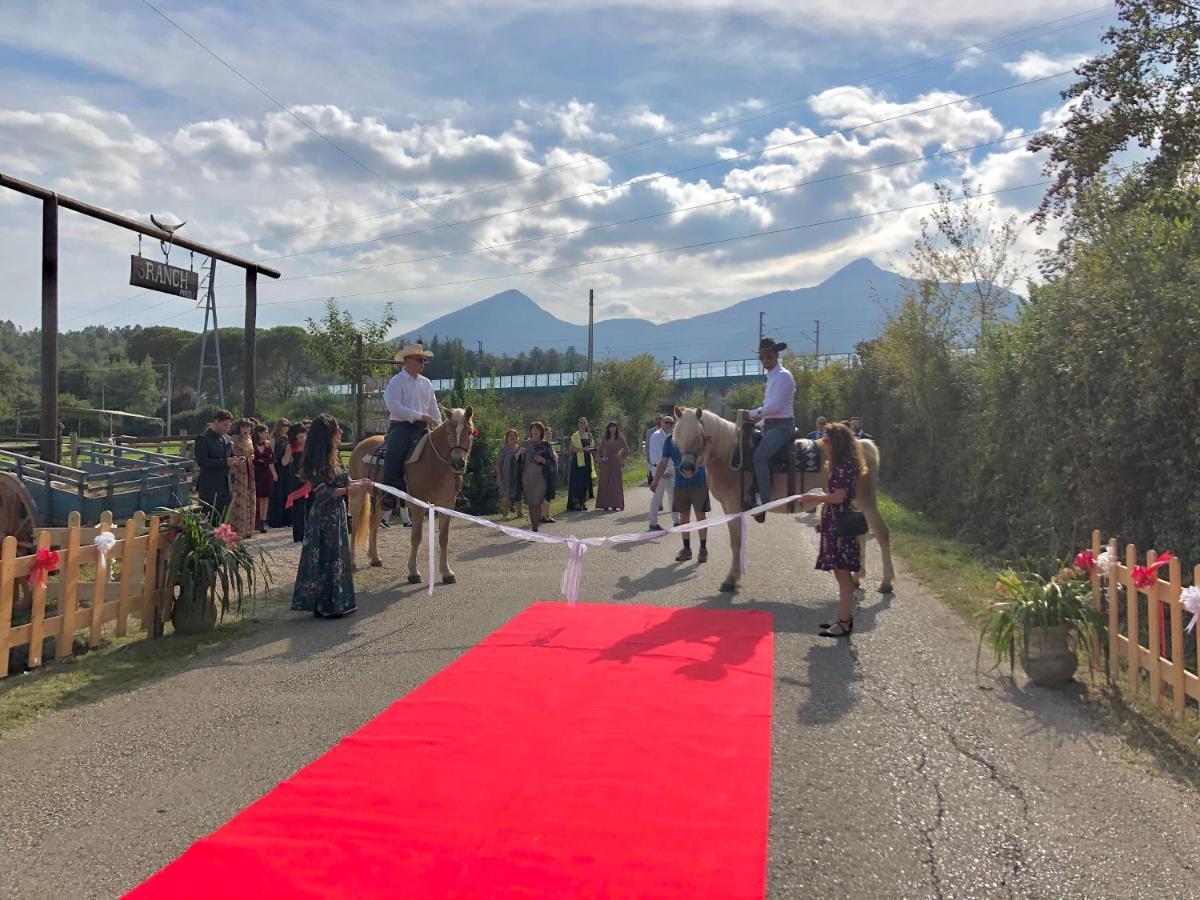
<point>846,626</point>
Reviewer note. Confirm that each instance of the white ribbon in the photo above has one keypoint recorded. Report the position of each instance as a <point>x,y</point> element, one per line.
<point>104,542</point>
<point>1190,598</point>
<point>573,574</point>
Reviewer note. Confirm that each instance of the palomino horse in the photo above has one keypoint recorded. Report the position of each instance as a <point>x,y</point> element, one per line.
<point>704,436</point>
<point>436,477</point>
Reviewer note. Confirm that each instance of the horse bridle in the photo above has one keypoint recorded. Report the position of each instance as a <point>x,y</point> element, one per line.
<point>433,446</point>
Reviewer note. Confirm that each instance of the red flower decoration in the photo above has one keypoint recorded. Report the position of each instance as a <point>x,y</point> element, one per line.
<point>1085,561</point>
<point>1143,577</point>
<point>44,563</point>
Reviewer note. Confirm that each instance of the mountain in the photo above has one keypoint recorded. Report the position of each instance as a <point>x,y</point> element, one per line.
<point>850,306</point>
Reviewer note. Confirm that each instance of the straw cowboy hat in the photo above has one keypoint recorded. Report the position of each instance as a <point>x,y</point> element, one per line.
<point>769,345</point>
<point>417,349</point>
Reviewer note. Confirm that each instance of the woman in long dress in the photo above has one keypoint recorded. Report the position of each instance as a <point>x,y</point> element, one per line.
<point>538,460</point>
<point>325,580</point>
<point>579,486</point>
<point>506,481</point>
<point>612,455</point>
<point>243,506</point>
<point>277,515</point>
<point>293,459</point>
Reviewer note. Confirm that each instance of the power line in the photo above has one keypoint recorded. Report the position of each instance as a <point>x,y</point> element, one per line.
<point>308,125</point>
<point>693,168</point>
<point>917,67</point>
<point>676,210</point>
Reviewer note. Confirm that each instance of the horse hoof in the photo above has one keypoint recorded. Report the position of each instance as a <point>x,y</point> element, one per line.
<point>450,579</point>
<point>377,563</point>
<point>414,579</point>
<point>886,589</point>
<point>728,587</point>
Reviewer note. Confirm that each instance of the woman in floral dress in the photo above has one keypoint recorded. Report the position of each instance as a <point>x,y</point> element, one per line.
<point>243,508</point>
<point>325,581</point>
<point>840,555</point>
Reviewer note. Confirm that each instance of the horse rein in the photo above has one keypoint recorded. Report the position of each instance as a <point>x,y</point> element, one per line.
<point>434,447</point>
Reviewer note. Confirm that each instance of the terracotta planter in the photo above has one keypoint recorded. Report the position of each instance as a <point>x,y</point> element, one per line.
<point>1047,657</point>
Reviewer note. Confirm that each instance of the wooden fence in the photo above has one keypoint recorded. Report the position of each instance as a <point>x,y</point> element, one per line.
<point>68,603</point>
<point>1146,628</point>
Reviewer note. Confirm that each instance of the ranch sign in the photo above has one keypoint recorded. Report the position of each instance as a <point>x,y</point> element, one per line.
<point>158,276</point>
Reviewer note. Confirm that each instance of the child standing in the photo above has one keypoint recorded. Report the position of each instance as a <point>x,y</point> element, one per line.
<point>325,581</point>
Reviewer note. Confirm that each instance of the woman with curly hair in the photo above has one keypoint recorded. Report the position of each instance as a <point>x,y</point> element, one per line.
<point>325,581</point>
<point>840,554</point>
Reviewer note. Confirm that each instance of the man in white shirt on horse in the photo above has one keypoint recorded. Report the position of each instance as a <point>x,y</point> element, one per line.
<point>412,410</point>
<point>777,414</point>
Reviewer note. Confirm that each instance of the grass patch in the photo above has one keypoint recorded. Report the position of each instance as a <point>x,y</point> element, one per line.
<point>963,577</point>
<point>118,665</point>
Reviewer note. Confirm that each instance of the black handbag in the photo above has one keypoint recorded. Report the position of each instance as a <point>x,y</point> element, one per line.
<point>851,523</point>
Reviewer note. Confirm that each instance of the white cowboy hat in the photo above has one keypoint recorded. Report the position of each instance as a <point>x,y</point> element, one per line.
<point>411,350</point>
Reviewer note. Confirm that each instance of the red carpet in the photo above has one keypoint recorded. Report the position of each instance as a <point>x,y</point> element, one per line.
<point>586,751</point>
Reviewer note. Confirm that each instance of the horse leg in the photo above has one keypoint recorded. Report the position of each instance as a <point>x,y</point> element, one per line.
<point>418,526</point>
<point>377,512</point>
<point>883,536</point>
<point>735,542</point>
<point>448,577</point>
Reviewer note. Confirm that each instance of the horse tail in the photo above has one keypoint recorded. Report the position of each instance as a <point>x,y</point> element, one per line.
<point>361,512</point>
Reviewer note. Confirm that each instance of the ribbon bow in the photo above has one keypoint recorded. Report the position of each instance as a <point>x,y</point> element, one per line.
<point>1085,561</point>
<point>1143,577</point>
<point>104,542</point>
<point>573,574</point>
<point>44,563</point>
<point>298,494</point>
<point>1190,598</point>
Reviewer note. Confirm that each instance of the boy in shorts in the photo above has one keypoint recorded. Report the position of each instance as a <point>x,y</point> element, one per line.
<point>691,494</point>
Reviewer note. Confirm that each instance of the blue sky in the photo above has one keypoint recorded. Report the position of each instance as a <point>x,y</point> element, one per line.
<point>535,101</point>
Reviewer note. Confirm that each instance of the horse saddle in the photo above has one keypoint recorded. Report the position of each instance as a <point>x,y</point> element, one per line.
<point>802,456</point>
<point>375,460</point>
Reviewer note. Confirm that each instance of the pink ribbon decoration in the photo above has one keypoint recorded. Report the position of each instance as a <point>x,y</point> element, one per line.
<point>298,494</point>
<point>1143,577</point>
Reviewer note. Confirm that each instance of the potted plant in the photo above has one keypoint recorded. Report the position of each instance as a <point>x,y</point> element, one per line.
<point>207,569</point>
<point>1045,617</point>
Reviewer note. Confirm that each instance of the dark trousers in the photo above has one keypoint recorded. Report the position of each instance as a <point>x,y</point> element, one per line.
<point>401,438</point>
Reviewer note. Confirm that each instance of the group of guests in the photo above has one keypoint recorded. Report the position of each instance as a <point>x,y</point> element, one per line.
<point>527,471</point>
<point>247,472</point>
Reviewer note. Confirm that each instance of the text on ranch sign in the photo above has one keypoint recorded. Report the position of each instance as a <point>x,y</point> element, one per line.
<point>159,276</point>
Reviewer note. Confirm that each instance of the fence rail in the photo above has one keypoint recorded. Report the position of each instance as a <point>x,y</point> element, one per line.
<point>1156,614</point>
<point>67,603</point>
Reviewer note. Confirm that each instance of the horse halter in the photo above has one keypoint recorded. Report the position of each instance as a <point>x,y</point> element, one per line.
<point>433,445</point>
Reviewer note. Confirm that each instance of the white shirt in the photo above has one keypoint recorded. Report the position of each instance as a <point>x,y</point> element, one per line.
<point>654,447</point>
<point>409,398</point>
<point>780,399</point>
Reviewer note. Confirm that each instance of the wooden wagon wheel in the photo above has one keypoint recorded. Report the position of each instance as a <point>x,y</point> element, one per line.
<point>18,514</point>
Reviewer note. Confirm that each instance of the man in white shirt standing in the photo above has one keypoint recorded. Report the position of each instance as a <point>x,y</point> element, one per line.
<point>777,414</point>
<point>666,481</point>
<point>412,410</point>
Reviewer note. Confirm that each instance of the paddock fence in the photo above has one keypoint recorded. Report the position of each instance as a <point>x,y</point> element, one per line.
<point>1147,629</point>
<point>74,598</point>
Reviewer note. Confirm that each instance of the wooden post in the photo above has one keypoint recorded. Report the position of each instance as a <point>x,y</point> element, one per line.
<point>99,593</point>
<point>150,583</point>
<point>37,620</point>
<point>51,439</point>
<point>359,390</point>
<point>1178,677</point>
<point>1114,610</point>
<point>1131,620</point>
<point>1154,633</point>
<point>8,560</point>
<point>70,604</point>
<point>249,401</point>
<point>74,449</point>
<point>127,547</point>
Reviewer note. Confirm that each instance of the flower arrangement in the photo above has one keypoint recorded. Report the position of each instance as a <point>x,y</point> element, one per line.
<point>1027,600</point>
<point>209,568</point>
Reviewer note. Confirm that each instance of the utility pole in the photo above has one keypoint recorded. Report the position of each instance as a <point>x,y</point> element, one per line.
<point>761,315</point>
<point>169,392</point>
<point>818,343</point>
<point>591,327</point>
<point>675,361</point>
<point>480,343</point>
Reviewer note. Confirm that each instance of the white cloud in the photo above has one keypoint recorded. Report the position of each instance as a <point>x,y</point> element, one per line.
<point>1035,64</point>
<point>575,121</point>
<point>647,118</point>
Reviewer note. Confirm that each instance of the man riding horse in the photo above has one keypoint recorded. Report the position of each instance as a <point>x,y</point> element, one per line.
<point>412,410</point>
<point>777,415</point>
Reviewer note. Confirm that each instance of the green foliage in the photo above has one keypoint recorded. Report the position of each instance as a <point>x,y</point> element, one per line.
<point>589,399</point>
<point>637,387</point>
<point>747,395</point>
<point>480,494</point>
<point>1141,93</point>
<point>332,340</point>
<point>202,564</point>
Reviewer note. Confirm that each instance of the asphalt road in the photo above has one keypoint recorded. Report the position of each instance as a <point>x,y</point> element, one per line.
<point>896,771</point>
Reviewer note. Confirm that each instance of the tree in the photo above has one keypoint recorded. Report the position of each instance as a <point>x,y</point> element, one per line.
<point>747,395</point>
<point>333,340</point>
<point>588,399</point>
<point>636,385</point>
<point>282,366</point>
<point>1142,92</point>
